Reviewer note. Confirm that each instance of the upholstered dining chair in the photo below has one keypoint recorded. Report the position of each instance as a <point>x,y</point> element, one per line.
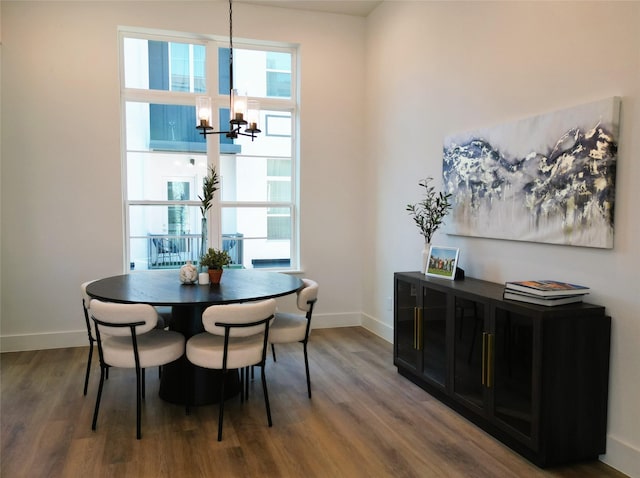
<point>163,313</point>
<point>127,338</point>
<point>290,328</point>
<point>235,337</point>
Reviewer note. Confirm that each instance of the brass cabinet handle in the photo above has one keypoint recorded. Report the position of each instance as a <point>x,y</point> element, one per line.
<point>487,359</point>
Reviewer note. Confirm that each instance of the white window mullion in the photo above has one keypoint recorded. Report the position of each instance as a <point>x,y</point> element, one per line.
<point>214,218</point>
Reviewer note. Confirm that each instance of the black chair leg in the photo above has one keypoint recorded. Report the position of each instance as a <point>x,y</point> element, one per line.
<point>139,393</point>
<point>142,384</point>
<point>246,383</point>
<point>98,397</point>
<point>190,379</point>
<point>306,367</point>
<point>221,413</point>
<point>86,375</point>
<point>266,394</point>
<point>273,352</point>
<point>243,372</point>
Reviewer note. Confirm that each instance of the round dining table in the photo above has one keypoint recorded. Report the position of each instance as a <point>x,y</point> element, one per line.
<point>182,379</point>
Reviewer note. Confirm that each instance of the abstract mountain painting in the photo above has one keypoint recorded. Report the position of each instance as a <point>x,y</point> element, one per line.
<point>548,178</point>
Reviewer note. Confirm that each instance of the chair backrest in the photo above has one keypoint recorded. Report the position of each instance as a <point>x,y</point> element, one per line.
<point>86,298</point>
<point>307,295</point>
<point>244,313</point>
<point>86,305</point>
<point>114,313</point>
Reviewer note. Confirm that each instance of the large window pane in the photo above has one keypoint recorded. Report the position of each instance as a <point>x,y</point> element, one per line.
<point>161,65</point>
<point>163,236</point>
<point>150,174</point>
<point>275,139</point>
<point>246,179</point>
<point>263,74</point>
<point>251,224</point>
<point>152,126</point>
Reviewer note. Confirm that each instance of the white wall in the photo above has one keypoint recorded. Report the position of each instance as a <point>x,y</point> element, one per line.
<point>62,218</point>
<point>436,68</point>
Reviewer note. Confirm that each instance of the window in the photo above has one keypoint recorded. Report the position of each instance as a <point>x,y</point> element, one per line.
<point>254,215</point>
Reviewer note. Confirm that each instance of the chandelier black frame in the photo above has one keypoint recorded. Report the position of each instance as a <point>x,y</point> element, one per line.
<point>239,106</point>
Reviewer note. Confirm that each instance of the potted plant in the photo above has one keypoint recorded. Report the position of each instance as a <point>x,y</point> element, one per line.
<point>429,214</point>
<point>214,260</point>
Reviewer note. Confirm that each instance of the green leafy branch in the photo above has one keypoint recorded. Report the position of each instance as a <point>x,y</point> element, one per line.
<point>209,187</point>
<point>429,213</point>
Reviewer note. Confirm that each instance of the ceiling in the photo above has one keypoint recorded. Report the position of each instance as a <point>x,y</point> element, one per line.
<point>360,8</point>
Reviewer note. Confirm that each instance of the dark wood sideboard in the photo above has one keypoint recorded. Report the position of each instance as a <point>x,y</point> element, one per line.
<point>534,377</point>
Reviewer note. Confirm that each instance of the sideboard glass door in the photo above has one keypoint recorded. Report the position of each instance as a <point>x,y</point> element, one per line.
<point>433,333</point>
<point>469,352</point>
<point>406,307</point>
<point>513,371</point>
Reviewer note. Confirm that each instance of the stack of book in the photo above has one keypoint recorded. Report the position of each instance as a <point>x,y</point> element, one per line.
<point>544,292</point>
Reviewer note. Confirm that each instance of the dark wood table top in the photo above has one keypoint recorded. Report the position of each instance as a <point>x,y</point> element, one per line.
<point>164,288</point>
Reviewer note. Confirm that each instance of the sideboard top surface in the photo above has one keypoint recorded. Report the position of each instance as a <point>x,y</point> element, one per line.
<point>481,289</point>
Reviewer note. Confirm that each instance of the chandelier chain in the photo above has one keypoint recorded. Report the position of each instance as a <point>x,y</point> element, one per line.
<point>231,43</point>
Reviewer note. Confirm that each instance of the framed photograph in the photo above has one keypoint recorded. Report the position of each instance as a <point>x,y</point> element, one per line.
<point>442,262</point>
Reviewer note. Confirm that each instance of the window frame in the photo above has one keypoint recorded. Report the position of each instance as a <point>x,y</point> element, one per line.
<point>213,153</point>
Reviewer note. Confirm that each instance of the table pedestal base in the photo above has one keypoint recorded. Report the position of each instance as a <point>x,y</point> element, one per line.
<point>181,379</point>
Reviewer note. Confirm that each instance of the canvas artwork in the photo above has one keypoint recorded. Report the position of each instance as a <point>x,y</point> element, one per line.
<point>548,178</point>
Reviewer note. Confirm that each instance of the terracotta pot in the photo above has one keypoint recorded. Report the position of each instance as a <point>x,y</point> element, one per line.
<point>215,275</point>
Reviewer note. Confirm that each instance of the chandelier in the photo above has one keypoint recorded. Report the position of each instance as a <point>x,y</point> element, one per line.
<point>240,108</point>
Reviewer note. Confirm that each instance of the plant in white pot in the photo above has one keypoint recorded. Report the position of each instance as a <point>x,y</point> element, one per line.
<point>429,214</point>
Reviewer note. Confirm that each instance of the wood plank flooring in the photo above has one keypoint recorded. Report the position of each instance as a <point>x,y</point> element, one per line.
<point>364,420</point>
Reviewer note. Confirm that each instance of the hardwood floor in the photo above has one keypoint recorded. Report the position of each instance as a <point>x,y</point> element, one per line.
<point>364,420</point>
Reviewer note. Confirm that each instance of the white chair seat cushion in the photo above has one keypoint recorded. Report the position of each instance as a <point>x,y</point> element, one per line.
<point>287,328</point>
<point>156,347</point>
<point>207,350</point>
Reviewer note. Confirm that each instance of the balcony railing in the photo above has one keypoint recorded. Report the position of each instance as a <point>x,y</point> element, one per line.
<point>167,251</point>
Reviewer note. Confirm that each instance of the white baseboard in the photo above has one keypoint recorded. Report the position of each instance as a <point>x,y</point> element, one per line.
<point>622,456</point>
<point>51,340</point>
<point>355,319</point>
<point>382,330</point>
<point>78,338</point>
<point>328,321</point>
